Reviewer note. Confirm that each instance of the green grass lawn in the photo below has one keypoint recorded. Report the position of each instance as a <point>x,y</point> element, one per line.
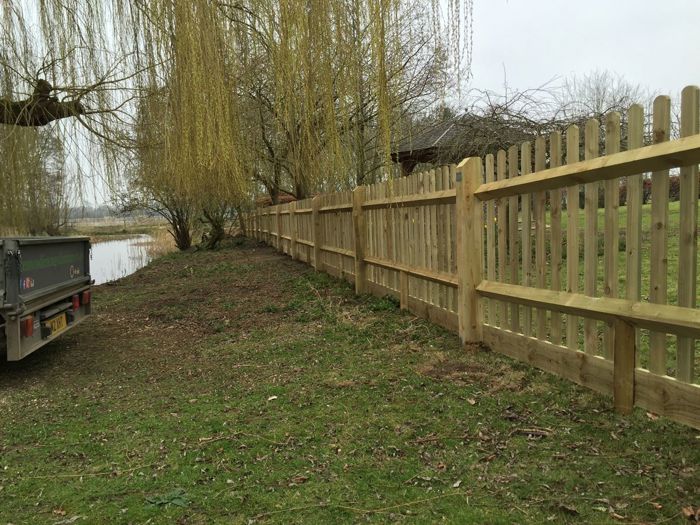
<point>241,387</point>
<point>672,275</point>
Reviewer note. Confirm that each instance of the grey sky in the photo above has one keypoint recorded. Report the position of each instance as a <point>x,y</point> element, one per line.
<point>649,42</point>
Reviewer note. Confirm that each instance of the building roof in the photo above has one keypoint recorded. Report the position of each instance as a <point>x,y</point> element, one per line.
<point>432,137</point>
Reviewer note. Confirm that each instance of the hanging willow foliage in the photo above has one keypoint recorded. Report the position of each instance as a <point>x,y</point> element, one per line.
<point>302,95</point>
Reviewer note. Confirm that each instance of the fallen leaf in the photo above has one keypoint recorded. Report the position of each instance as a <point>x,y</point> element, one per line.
<point>691,514</point>
<point>652,416</point>
<point>569,509</point>
<point>272,398</point>
<point>298,480</point>
<point>471,401</point>
<point>456,484</point>
<point>657,506</point>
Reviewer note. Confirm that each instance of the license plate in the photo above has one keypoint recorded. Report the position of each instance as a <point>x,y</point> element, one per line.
<point>57,324</point>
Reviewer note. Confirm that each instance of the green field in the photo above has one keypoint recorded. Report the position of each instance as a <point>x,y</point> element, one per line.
<point>241,387</point>
<point>672,275</point>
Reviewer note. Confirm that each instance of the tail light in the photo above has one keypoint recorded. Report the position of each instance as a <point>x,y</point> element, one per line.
<point>87,295</point>
<point>27,326</point>
<point>76,302</point>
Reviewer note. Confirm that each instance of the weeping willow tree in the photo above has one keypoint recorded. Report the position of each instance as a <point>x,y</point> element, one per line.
<point>296,95</point>
<point>36,200</point>
<point>149,186</point>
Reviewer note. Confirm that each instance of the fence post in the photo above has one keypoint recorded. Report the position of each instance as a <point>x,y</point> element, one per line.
<point>280,246</point>
<point>469,230</point>
<point>266,227</point>
<point>258,228</point>
<point>360,237</point>
<point>624,362</point>
<point>293,230</point>
<point>403,291</point>
<point>257,224</point>
<point>316,218</point>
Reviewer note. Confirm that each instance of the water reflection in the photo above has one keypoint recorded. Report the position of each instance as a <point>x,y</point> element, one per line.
<point>116,259</point>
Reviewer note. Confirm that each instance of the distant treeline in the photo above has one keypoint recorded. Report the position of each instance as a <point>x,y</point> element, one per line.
<point>100,212</point>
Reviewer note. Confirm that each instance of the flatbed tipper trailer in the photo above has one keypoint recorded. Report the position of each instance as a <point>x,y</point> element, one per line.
<point>44,290</point>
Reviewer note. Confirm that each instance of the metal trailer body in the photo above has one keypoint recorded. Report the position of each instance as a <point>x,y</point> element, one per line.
<point>45,290</point>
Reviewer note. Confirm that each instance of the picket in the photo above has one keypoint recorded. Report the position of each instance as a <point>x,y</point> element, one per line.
<point>555,199</point>
<point>501,204</point>
<point>513,237</point>
<point>611,230</point>
<point>526,233</point>
<point>590,245</point>
<point>688,233</point>
<point>633,230</point>
<point>491,239</point>
<point>572,238</point>
<point>540,226</point>
<point>658,271</point>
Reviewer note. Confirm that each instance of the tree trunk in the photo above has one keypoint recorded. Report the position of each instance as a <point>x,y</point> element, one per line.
<point>39,109</point>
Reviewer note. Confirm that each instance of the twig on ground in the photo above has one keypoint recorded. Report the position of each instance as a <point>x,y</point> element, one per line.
<point>361,511</point>
<point>114,472</point>
<point>237,435</point>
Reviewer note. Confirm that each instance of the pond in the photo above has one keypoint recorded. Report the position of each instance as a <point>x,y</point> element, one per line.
<point>113,260</point>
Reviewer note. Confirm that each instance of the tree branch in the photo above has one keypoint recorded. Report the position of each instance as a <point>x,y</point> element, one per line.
<point>39,109</point>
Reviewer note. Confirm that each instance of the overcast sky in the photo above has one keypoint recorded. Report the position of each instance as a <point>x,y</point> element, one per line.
<point>653,43</point>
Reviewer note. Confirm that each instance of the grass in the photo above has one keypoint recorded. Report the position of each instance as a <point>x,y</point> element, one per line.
<point>672,274</point>
<point>241,387</point>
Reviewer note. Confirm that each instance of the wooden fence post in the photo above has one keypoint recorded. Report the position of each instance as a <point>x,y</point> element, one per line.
<point>316,218</point>
<point>469,229</point>
<point>280,246</point>
<point>293,230</point>
<point>360,235</point>
<point>403,290</point>
<point>624,362</point>
<point>261,226</point>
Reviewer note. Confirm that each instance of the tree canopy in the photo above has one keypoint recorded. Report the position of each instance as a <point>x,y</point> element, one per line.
<point>290,96</point>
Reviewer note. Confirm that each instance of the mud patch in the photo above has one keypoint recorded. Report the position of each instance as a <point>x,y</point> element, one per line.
<point>469,369</point>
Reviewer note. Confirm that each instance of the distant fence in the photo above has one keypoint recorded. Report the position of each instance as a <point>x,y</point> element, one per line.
<point>484,250</point>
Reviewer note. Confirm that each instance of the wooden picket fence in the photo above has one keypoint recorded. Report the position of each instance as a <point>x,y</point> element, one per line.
<point>483,249</point>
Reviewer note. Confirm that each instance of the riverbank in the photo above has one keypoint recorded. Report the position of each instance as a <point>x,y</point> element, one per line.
<point>238,385</point>
<point>117,229</point>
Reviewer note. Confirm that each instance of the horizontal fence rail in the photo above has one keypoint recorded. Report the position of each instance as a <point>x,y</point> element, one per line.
<point>550,259</point>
